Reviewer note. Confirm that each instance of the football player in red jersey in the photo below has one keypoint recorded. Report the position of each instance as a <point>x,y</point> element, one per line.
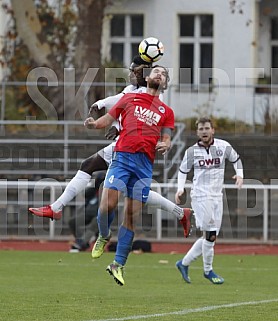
<point>101,160</point>
<point>147,124</point>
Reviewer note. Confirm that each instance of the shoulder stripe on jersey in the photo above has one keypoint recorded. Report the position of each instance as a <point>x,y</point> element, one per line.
<point>236,160</point>
<point>183,172</point>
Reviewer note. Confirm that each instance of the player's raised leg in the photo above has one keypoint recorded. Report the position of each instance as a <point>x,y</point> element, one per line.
<point>74,187</point>
<point>182,214</point>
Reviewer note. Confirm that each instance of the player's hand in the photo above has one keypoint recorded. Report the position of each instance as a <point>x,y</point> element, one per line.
<point>239,181</point>
<point>162,147</point>
<point>112,133</point>
<point>93,109</point>
<point>178,196</point>
<point>90,123</point>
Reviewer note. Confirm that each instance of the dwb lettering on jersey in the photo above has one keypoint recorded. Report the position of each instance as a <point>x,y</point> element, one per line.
<point>209,162</point>
<point>147,116</point>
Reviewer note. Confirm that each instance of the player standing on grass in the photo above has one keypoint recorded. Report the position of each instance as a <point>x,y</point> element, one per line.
<point>147,124</point>
<point>101,160</point>
<point>207,157</point>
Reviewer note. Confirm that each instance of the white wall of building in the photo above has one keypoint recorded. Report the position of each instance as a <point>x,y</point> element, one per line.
<point>236,58</point>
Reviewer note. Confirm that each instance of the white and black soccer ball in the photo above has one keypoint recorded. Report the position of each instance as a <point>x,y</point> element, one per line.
<point>151,49</point>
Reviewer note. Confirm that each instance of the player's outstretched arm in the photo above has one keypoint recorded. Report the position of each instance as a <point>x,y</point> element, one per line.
<point>107,103</point>
<point>101,122</point>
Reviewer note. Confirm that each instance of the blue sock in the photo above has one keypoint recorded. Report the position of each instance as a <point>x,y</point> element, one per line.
<point>125,238</point>
<point>104,222</point>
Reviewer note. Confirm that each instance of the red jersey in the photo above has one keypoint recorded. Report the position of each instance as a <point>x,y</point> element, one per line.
<point>142,118</point>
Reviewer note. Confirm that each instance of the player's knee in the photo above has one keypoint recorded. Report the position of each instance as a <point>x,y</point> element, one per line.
<point>86,165</point>
<point>92,164</point>
<point>211,236</point>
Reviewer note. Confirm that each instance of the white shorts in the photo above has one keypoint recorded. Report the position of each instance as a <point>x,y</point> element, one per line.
<point>208,213</point>
<point>106,152</point>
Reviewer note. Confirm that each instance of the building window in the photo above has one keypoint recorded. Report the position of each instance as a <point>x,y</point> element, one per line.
<point>274,50</point>
<point>196,49</point>
<point>126,32</point>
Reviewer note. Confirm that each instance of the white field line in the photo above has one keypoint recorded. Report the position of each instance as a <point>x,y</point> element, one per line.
<point>187,311</point>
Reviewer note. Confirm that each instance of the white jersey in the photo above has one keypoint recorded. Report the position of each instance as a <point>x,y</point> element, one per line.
<point>209,167</point>
<point>110,101</point>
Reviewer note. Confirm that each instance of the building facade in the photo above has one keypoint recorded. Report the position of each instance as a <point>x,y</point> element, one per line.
<point>217,51</point>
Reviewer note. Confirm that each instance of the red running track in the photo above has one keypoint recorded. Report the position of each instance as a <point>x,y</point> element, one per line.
<point>240,249</point>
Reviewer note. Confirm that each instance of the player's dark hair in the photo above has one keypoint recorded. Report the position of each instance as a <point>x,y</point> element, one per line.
<point>203,120</point>
<point>138,61</point>
<point>139,73</point>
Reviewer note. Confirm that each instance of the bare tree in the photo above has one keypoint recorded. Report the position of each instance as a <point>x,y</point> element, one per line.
<point>46,39</point>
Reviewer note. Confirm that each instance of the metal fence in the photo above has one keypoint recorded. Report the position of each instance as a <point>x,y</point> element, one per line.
<point>59,151</point>
<point>250,214</point>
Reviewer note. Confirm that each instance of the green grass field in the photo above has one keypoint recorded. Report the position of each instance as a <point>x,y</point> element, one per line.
<point>62,286</point>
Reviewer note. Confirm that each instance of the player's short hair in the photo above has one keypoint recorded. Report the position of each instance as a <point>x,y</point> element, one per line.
<point>138,61</point>
<point>203,120</point>
<point>139,73</point>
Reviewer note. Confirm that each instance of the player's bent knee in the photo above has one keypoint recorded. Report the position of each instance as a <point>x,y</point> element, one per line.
<point>211,236</point>
<point>92,164</point>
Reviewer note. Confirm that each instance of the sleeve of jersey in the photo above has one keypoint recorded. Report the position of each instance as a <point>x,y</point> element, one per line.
<point>234,158</point>
<point>170,119</point>
<point>109,102</point>
<point>185,168</point>
<point>117,109</point>
<point>238,167</point>
<point>128,89</point>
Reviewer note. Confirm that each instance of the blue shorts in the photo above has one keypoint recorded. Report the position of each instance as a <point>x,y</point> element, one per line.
<point>131,174</point>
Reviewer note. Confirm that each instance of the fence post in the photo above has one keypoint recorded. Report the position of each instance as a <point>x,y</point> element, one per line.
<point>52,222</point>
<point>265,216</point>
<point>66,148</point>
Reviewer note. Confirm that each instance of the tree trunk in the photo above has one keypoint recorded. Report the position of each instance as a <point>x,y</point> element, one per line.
<point>88,44</point>
<point>29,29</point>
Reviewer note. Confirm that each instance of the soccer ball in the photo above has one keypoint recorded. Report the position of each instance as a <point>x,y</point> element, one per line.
<point>151,49</point>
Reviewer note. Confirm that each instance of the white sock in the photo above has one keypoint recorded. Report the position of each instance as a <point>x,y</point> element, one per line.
<point>74,187</point>
<point>208,255</point>
<point>194,252</point>
<point>157,200</point>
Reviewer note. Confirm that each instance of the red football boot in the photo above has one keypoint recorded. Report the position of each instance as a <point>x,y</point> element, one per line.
<point>46,211</point>
<point>186,221</point>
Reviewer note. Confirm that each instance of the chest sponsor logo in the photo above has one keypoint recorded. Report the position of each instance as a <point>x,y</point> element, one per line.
<point>146,116</point>
<point>209,162</point>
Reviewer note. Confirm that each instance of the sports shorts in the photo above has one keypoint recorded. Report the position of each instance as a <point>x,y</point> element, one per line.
<point>208,213</point>
<point>107,152</point>
<point>131,174</point>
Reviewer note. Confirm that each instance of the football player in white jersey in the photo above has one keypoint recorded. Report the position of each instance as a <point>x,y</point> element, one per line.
<point>207,158</point>
<point>101,160</point>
